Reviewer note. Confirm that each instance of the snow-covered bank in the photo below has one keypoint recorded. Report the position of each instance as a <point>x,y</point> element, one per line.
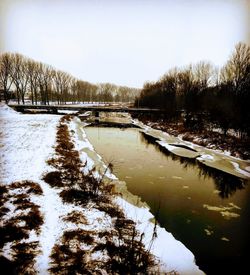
<point>27,142</point>
<point>212,158</point>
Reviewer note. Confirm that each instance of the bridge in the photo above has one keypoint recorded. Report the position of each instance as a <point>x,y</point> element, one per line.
<point>95,109</point>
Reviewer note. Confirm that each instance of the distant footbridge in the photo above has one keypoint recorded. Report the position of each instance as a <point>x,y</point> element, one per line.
<point>95,109</point>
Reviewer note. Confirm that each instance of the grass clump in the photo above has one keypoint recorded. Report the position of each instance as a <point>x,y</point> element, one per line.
<point>76,217</point>
<point>29,186</point>
<point>24,257</point>
<point>7,266</point>
<point>54,179</point>
<point>69,257</point>
<point>76,196</point>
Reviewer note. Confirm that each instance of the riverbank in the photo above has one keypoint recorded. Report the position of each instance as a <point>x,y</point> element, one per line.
<point>212,158</point>
<point>71,224</point>
<point>229,144</point>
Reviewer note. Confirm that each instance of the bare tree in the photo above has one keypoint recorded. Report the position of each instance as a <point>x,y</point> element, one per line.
<point>236,69</point>
<point>16,74</point>
<point>33,77</point>
<point>20,76</point>
<point>45,82</point>
<point>62,83</point>
<point>6,68</point>
<point>203,73</point>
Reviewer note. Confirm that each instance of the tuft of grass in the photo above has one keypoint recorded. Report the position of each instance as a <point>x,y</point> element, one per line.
<point>112,210</point>
<point>54,179</point>
<point>20,201</point>
<point>3,192</point>
<point>3,196</point>
<point>3,210</point>
<point>30,186</point>
<point>66,118</point>
<point>82,236</point>
<point>10,232</point>
<point>68,259</point>
<point>76,217</point>
<point>76,196</point>
<point>7,266</point>
<point>24,257</point>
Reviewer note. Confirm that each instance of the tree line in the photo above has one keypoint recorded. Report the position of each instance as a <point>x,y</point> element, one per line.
<point>202,95</point>
<point>22,77</point>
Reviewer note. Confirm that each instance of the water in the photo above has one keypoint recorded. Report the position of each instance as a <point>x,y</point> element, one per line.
<point>205,209</point>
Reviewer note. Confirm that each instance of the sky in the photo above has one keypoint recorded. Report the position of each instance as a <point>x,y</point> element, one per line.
<point>126,42</point>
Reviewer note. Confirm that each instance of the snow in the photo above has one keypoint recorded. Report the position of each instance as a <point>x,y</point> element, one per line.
<point>27,142</point>
<point>205,157</point>
<point>182,152</point>
<point>69,112</point>
<point>225,211</point>
<point>238,169</point>
<point>247,168</point>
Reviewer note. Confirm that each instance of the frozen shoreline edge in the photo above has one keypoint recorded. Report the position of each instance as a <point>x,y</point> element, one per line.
<point>209,157</point>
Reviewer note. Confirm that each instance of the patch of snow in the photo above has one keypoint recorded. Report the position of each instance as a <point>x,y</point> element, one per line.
<point>177,177</point>
<point>208,232</point>
<point>26,144</point>
<point>225,239</point>
<point>205,157</point>
<point>66,112</point>
<point>185,187</point>
<point>178,150</point>
<point>225,211</point>
<point>241,171</point>
<point>6,111</point>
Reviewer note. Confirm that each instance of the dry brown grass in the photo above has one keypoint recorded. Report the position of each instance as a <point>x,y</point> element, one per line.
<point>111,209</point>
<point>7,266</point>
<point>76,196</point>
<point>3,200</point>
<point>66,118</point>
<point>17,228</point>
<point>82,236</point>
<point>24,257</point>
<point>30,186</point>
<point>11,232</point>
<point>69,257</point>
<point>76,217</point>
<point>54,179</point>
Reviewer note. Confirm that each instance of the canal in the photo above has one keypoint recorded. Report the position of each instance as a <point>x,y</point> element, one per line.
<point>207,210</point>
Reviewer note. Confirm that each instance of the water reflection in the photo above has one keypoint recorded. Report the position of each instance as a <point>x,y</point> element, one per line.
<point>225,183</point>
<point>209,217</point>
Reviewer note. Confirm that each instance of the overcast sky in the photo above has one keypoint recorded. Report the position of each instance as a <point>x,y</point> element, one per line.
<point>124,42</point>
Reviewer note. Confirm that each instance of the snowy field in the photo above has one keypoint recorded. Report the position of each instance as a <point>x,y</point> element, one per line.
<point>27,142</point>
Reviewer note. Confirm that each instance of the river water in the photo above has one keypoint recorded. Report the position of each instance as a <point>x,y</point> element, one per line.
<point>205,209</point>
